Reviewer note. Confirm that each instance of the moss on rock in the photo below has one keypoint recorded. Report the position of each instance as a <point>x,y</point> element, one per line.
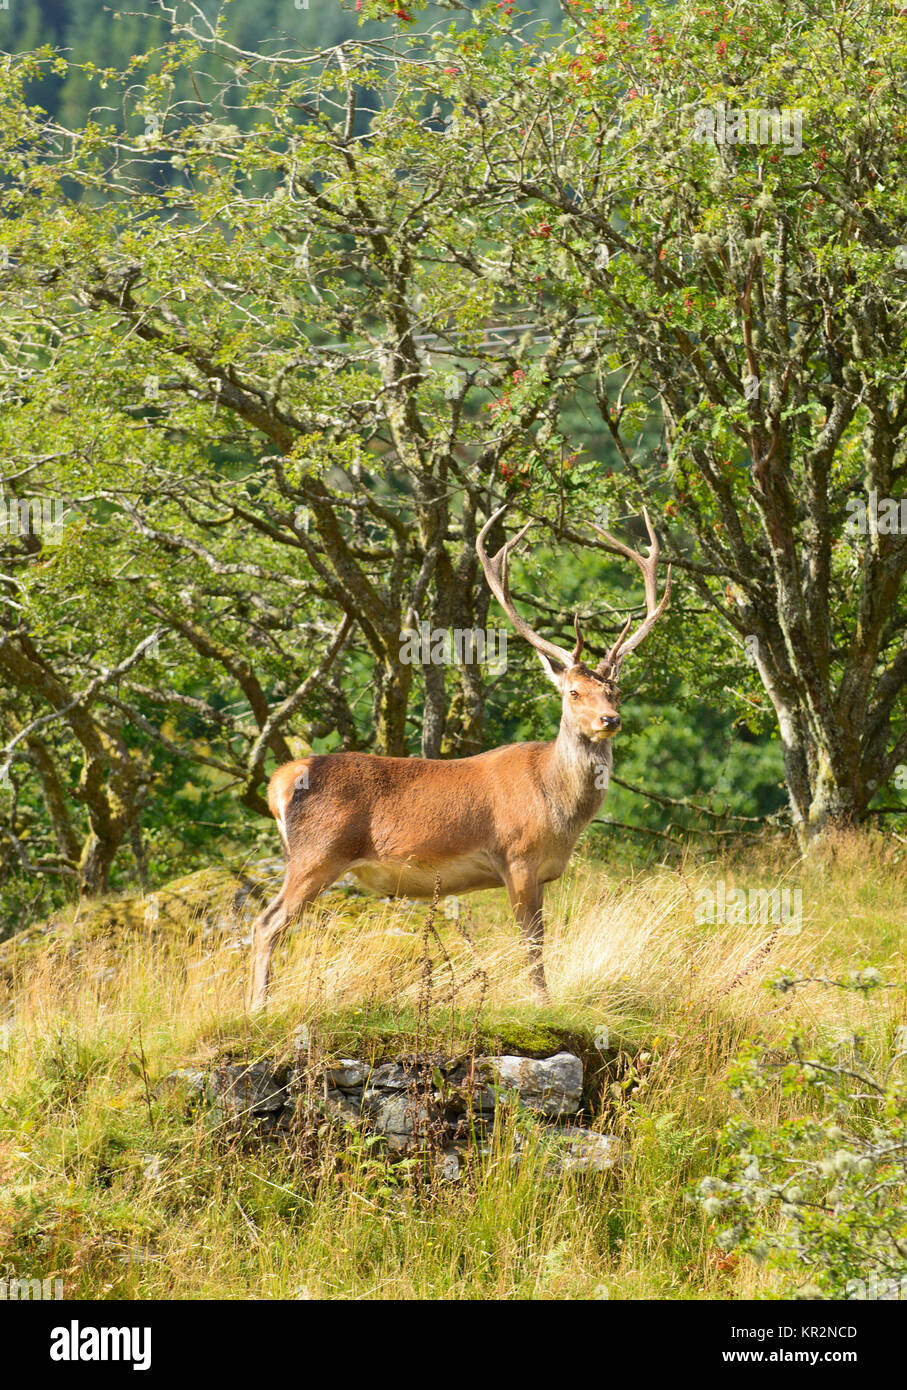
<point>181,907</point>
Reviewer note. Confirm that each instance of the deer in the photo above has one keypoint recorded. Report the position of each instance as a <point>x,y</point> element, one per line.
<point>425,828</point>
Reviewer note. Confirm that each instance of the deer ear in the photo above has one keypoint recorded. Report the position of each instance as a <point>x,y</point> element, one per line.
<point>554,670</point>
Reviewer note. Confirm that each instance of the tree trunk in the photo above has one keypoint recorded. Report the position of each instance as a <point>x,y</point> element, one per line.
<point>54,793</point>
<point>435,713</point>
<point>465,718</point>
<point>393,680</point>
<point>95,864</point>
<point>468,598</point>
<point>834,805</point>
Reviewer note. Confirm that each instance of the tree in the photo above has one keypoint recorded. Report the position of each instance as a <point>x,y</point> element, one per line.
<point>297,324</point>
<point>248,373</point>
<point>725,187</point>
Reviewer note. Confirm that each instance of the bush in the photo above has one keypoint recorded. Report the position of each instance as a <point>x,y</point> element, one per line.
<point>822,1196</point>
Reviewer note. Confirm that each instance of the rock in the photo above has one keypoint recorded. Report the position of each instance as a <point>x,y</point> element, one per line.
<point>447,1106</point>
<point>475,1100</point>
<point>466,1130</point>
<point>247,1093</point>
<point>257,885</point>
<point>467,1092</point>
<point>572,1149</point>
<point>343,1107</point>
<point>393,1076</point>
<point>448,1165</point>
<point>587,1151</point>
<point>550,1087</point>
<point>193,1080</point>
<point>346,1073</point>
<point>398,1118</point>
<point>392,1114</point>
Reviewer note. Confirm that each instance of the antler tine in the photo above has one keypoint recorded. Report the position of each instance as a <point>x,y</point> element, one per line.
<point>577,650</point>
<point>611,658</point>
<point>647,563</point>
<point>649,566</point>
<point>649,621</point>
<point>495,569</point>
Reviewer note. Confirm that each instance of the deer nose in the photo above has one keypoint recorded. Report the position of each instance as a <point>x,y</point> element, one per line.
<point>611,721</point>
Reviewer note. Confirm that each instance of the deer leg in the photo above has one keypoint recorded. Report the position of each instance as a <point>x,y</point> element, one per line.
<point>300,886</point>
<point>525,893</point>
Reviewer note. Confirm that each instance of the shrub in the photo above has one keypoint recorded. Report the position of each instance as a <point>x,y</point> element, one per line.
<point>821,1196</point>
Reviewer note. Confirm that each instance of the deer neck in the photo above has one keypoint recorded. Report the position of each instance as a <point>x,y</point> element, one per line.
<point>577,776</point>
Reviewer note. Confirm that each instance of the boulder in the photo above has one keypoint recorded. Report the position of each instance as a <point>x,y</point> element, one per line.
<point>248,1092</point>
<point>340,1106</point>
<point>346,1073</point>
<point>394,1076</point>
<point>398,1118</point>
<point>550,1087</point>
<point>587,1151</point>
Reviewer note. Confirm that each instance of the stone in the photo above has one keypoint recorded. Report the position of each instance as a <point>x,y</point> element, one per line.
<point>393,1076</point>
<point>551,1087</point>
<point>257,885</point>
<point>587,1151</point>
<point>398,1118</point>
<point>466,1092</point>
<point>465,1130</point>
<point>346,1073</point>
<point>448,1165</point>
<point>193,1080</point>
<point>247,1092</point>
<point>475,1100</point>
<point>410,1105</point>
<point>343,1107</point>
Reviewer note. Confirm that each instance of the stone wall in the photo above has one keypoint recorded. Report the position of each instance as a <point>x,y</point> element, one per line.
<point>446,1105</point>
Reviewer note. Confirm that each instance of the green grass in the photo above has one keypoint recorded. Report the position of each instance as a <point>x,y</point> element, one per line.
<point>119,1187</point>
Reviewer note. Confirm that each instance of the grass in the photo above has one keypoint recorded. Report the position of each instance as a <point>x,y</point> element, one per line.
<point>109,1182</point>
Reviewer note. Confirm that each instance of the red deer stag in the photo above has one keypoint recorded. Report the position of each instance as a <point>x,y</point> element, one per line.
<point>510,816</point>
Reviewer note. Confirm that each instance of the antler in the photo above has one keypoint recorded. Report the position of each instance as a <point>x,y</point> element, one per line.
<point>496,574</point>
<point>649,565</point>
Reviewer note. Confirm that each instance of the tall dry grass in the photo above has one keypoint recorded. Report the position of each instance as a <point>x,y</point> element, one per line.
<point>107,1178</point>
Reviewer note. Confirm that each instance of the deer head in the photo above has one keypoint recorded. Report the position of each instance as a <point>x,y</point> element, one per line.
<point>589,698</point>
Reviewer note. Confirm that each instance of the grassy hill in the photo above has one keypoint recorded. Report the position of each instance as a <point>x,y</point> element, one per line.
<point>122,1187</point>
